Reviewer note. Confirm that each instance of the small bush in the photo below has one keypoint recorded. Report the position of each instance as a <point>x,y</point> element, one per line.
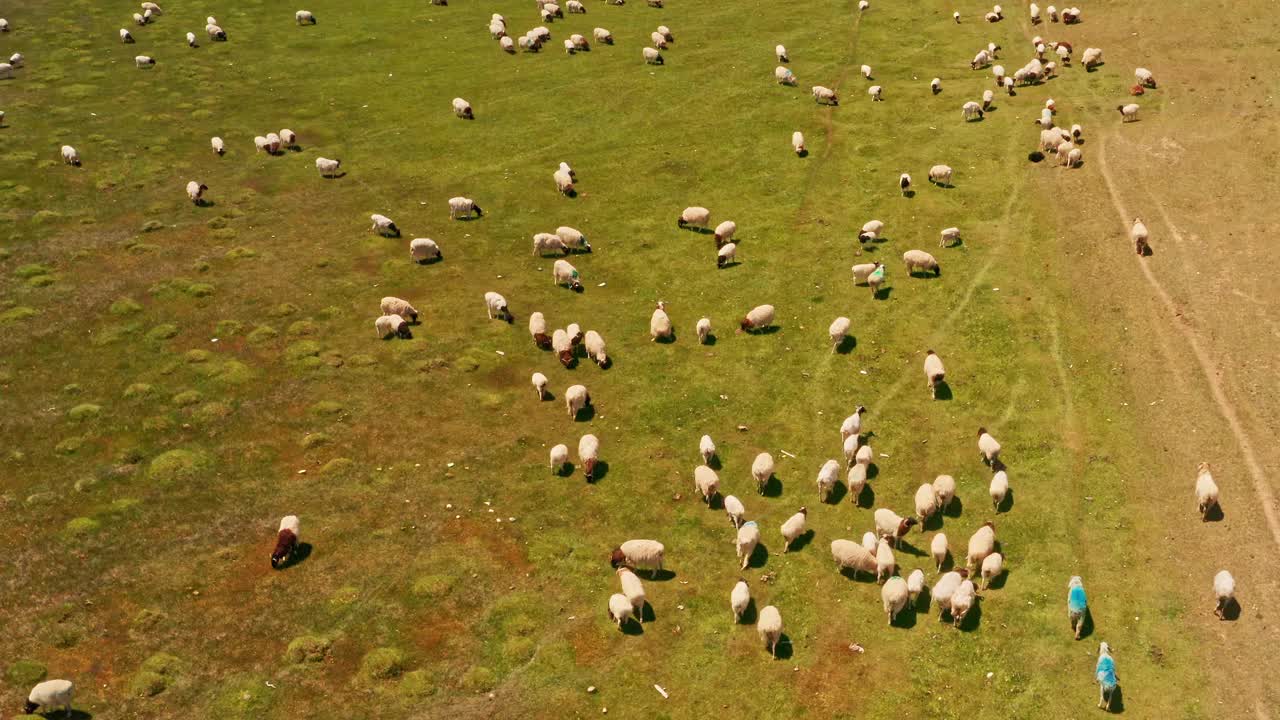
<point>25,673</point>
<point>262,333</point>
<point>382,664</point>
<point>227,328</point>
<point>197,356</point>
<point>241,253</point>
<point>137,390</point>
<point>147,684</point>
<point>327,407</point>
<point>81,526</point>
<point>307,649</point>
<point>313,440</point>
<point>188,397</point>
<point>479,679</point>
<point>179,466</point>
<point>283,309</point>
<point>416,684</point>
<point>162,332</point>
<point>14,314</point>
<point>125,306</point>
<point>31,270</point>
<point>69,446</point>
<point>86,411</point>
<point>152,226</point>
<point>338,467</point>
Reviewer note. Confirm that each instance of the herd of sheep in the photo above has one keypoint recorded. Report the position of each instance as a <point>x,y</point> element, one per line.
<point>954,592</point>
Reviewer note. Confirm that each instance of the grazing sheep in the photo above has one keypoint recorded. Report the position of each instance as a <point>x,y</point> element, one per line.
<point>981,60</point>
<point>696,216</point>
<point>862,272</point>
<point>588,452</point>
<point>125,36</point>
<point>1071,15</point>
<point>892,526</point>
<point>1137,233</point>
<point>1105,670</point>
<point>940,175</point>
<point>547,242</point>
<point>866,71</point>
<point>1091,58</point>
<point>653,3</point>
<point>739,599</point>
<point>573,6</point>
<point>734,508</point>
<point>304,17</point>
<point>760,317</point>
<point>781,53</point>
<point>563,273</point>
<point>869,542</point>
<point>1053,13</point>
<point>824,95</point>
<point>837,331</point>
<point>938,550</point>
<point>570,47</point>
<point>633,589</point>
<point>1206,490</point>
<point>945,589</point>
<point>327,167</point>
<point>1224,588</point>
<point>915,585</point>
<point>724,232</point>
<point>595,348</point>
<point>70,156</point>
<point>981,544</point>
<point>876,279</point>
<point>926,504</point>
<point>562,346</point>
<point>971,111</point>
<point>1008,86</point>
<point>904,183</point>
<point>769,625</point>
<point>652,56</point>
<point>962,601</point>
<point>575,399</point>
<point>215,33</point>
<point>50,694</point>
<point>703,328</point>
<point>143,61</point>
<point>579,42</point>
<point>992,567</point>
<point>950,235</point>
<point>660,323</point>
<point>828,476</point>
<point>852,425</point>
<point>658,40</point>
<point>748,538</point>
<point>620,610</point>
<point>529,43</point>
<point>875,91</point>
<point>564,182</point>
<point>921,260</point>
<point>211,20</point>
<point>195,191</point>
<point>507,44</point>
<point>797,142</point>
<point>538,329</point>
<point>864,4</point>
<point>286,541</point>
<point>462,208</point>
<point>154,8</point>
<point>762,470</point>
<point>706,482</point>
<point>999,486</point>
<point>139,19</point>
<point>1128,113</point>
<point>1077,133</point>
<point>540,385</point>
<point>423,250</point>
<point>217,145</point>
<point>1075,157</point>
<point>935,85</point>
<point>856,479</point>
<point>1144,77</point>
<point>871,230</point>
<point>727,254</point>
<point>793,528</point>
<point>886,564</point>
<point>849,554</point>
<point>706,448</point>
<point>559,453</point>
<point>944,487</point>
<point>784,76</point>
<point>462,109</point>
<point>273,143</point>
<point>992,17</point>
<point>191,40</point>
<point>602,36</point>
<point>956,16</point>
<point>1077,604</point>
<point>392,326</point>
<point>988,446</point>
<point>638,554</point>
<point>1035,14</point>
<point>894,595</point>
<point>384,225</point>
<point>496,305</point>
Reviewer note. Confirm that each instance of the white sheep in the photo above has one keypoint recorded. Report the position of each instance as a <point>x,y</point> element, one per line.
<point>797,143</point>
<point>50,695</point>
<point>938,550</point>
<point>191,40</point>
<point>560,453</point>
<point>824,95</point>
<point>871,230</point>
<point>762,469</point>
<point>781,53</point>
<point>1075,157</point>
<point>538,330</point>
<point>139,19</point>
<point>862,272</point>
<point>935,85</point>
<point>706,448</point>
<point>496,305</point>
<point>724,232</point>
<point>962,601</point>
<point>595,348</point>
<point>866,71</point>
<point>70,156</point>
<point>395,306</point>
<point>658,40</point>
<point>945,589</point>
<point>940,175</point>
<point>211,20</point>
<point>651,56</point>
<point>423,250</point>
<point>602,35</point>
<point>759,318</point>
<point>904,183</point>
<point>956,16</point>
<point>894,595</point>
<point>463,208</point>
<point>1137,233</point>
<point>384,225</point>
<point>1053,13</point>
<point>570,47</point>
<point>154,8</point>
<point>999,487</point>
<point>992,17</point>
<point>327,167</point>
<point>573,6</point>
<point>869,542</point>
<point>706,482</point>
<point>828,476</point>
<point>1077,132</point>
<point>639,554</point>
<point>1224,588</point>
<point>981,544</point>
<point>727,255</point>
<point>885,562</point>
<point>579,42</point>
<point>695,216</point>
<point>540,385</point>
<point>981,60</point>
<point>4,25</point>
<point>849,554</point>
<point>1091,58</point>
<point>462,109</point>
<point>793,528</point>
<point>784,76</point>
<point>748,538</point>
<point>1105,670</point>
<point>261,143</point>
<point>1206,490</point>
<point>1144,77</point>
<point>915,585</point>
<point>564,182</point>
<point>703,328</point>
<point>769,625</point>
<point>856,479</point>
<point>195,191</point>
<point>1077,604</point>
<point>563,273</point>
<point>949,235</point>
<point>926,504</point>
<point>734,508</point>
<point>633,589</point>
<point>548,242</point>
<point>838,331</point>
<point>273,143</point>
<point>919,260</point>
<point>988,446</point>
<point>876,92</point>
<point>214,32</point>
<point>392,325</point>
<point>852,425</point>
<point>892,526</point>
<point>992,567</point>
<point>507,44</point>
<point>739,599</point>
<point>660,323</point>
<point>304,17</point>
<point>144,61</point>
<point>972,111</point>
<point>864,4</point>
<point>1035,14</point>
<point>125,36</point>
<point>1128,113</point>
<point>575,399</point>
<point>620,610</point>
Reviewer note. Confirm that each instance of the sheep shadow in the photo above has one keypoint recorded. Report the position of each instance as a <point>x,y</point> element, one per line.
<point>750,614</point>
<point>933,522</point>
<point>764,330</point>
<point>632,627</point>
<point>1094,67</point>
<point>847,344</point>
<point>873,471</point>
<point>803,153</point>
<point>715,463</point>
<point>1147,251</point>
<point>549,396</point>
<point>567,470</point>
<point>866,497</point>
<point>715,502</point>
<point>660,575</point>
<point>954,509</point>
<point>759,556</point>
<point>203,203</point>
<point>905,547</point>
<point>906,618</point>
<point>851,574</point>
<point>973,619</point>
<point>998,581</point>
<point>298,556</point>
<point>942,391</point>
<point>727,266</point>
<point>837,494</point>
<point>948,563</point>
<point>602,469</point>
<point>711,339</point>
<point>924,274</point>
<point>882,293</point>
<point>909,194</point>
<point>1117,701</point>
<point>666,339</point>
<point>783,651</point>
<point>571,194</point>
<point>922,603</point>
<point>1215,514</point>
<point>431,261</point>
<point>1231,612</point>
<point>1086,625</point>
<point>772,487</point>
<point>647,614</point>
<point>294,148</point>
<point>335,177</point>
<point>801,542</point>
<point>586,414</point>
<point>1006,504</point>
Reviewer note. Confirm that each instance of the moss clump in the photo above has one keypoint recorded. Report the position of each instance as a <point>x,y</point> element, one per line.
<point>25,673</point>
<point>433,587</point>
<point>283,309</point>
<point>211,411</point>
<point>137,390</point>
<point>314,440</point>
<point>69,446</point>
<point>233,372</point>
<point>338,467</point>
<point>179,466</point>
<point>302,328</point>
<point>301,350</point>
<point>31,270</point>
<point>416,684</point>
<point>81,526</point>
<point>262,333</point>
<point>227,328</point>
<point>327,407</point>
<point>40,281</point>
<point>479,679</point>
<point>199,290</point>
<point>241,253</point>
<point>188,397</point>
<point>147,684</point>
<point>152,226</point>
<point>86,411</point>
<point>125,306</point>
<point>13,314</point>
<point>307,649</point>
<point>382,664</point>
<point>197,356</point>
<point>158,423</point>
<point>162,332</point>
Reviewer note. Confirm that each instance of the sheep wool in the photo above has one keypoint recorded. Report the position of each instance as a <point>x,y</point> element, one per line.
<point>739,599</point>
<point>869,542</point>
<point>660,323</point>
<point>856,480</point>
<point>50,695</point>
<point>651,56</point>
<point>1224,588</point>
<point>396,306</point>
<point>981,544</point>
<point>759,318</point>
<point>852,425</point>
<point>589,455</point>
<point>992,567</point>
<point>885,562</point>
<point>770,628</point>
<point>915,584</point>
<point>762,470</point>
<point>1105,671</point>
<point>734,509</point>
<point>327,167</point>
<point>559,457</point>
<point>988,446</point>
<point>706,482</point>
<point>851,555</point>
<point>871,230</point>
<point>926,504</point>
<point>304,17</point>
<point>999,488</point>
<point>633,589</point>
<point>940,175</point>
<point>594,343</point>
<point>563,273</point>
<point>638,554</point>
<point>724,232</point>
<point>392,325</point>
<point>793,528</point>
<point>934,372</point>
<point>828,476</point>
<point>938,550</point>
<point>462,208</point>
<point>620,609</point>
<point>462,109</point>
<point>727,255</point>
<point>575,399</point>
<point>892,526</point>
<point>706,448</point>
<point>423,250</point>
<point>748,538</point>
<point>564,182</point>
<point>824,95</point>
<point>781,53</point>
<point>962,601</point>
<point>703,330</point>
<point>919,260</point>
<point>784,76</point>
<point>382,224</point>
<point>496,305</point>
<point>1077,604</point>
<point>838,331</point>
<point>894,595</point>
<point>944,487</point>
<point>573,238</point>
<point>1206,490</point>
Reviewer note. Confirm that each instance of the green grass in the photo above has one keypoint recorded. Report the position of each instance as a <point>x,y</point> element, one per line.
<point>446,562</point>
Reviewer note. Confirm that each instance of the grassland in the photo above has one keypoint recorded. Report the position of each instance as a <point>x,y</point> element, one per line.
<point>176,378</point>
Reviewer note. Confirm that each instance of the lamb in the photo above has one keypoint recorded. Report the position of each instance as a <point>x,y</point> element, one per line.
<point>1206,490</point>
<point>1077,604</point>
<point>660,324</point>
<point>327,167</point>
<point>962,601</point>
<point>849,554</point>
<point>760,317</point>
<point>214,32</point>
<point>739,599</point>
<point>1077,132</point>
<point>706,482</point>
<point>871,230</point>
<point>988,446</point>
<point>981,60</point>
<point>926,504</point>
<point>423,250</point>
<point>143,61</point>
<point>1224,588</point>
<point>70,156</point>
<point>999,486</point>
<point>935,85</point>
<point>573,238</point>
<point>638,554</point>
<point>784,76</point>
<point>950,235</point>
<point>658,40</point>
<point>570,47</point>
<point>904,183</point>
<point>892,526</point>
<point>50,694</point>
<point>573,6</point>
<point>1105,670</point>
<point>885,563</point>
<point>589,453</point>
<point>652,56</point>
<point>724,232</point>
<point>748,538</point>
<point>602,36</point>
<point>940,175</point>
<point>1091,58</point>
<point>972,110</point>
<point>392,325</point>
<point>559,453</point>
<point>1128,113</point>
<point>619,609</point>
<point>915,585</point>
<point>1075,158</point>
<point>866,71</point>
<point>793,528</point>
<point>921,260</point>
<point>734,508</point>
<point>462,109</point>
<point>828,476</point>
<point>762,470</point>
<point>125,36</point>
<point>703,328</point>
<point>852,425</point>
<point>384,225</point>
<point>304,17</point>
<point>894,595</point>
<point>837,331</point>
<point>945,589</point>
<point>824,95</point>
<point>538,329</point>
<point>992,567</point>
<point>944,487</point>
<point>564,182</point>
<point>981,544</point>
<point>563,273</point>
<point>462,208</point>
<point>875,91</point>
<point>575,399</point>
<point>938,550</point>
<point>696,216</point>
<point>496,305</point>
<point>1144,77</point>
<point>781,53</point>
<point>869,542</point>
<point>286,541</point>
<point>770,623</point>
<point>195,191</point>
<point>595,348</point>
<point>1137,233</point>
<point>727,255</point>
<point>864,455</point>
<point>540,386</point>
<point>191,40</point>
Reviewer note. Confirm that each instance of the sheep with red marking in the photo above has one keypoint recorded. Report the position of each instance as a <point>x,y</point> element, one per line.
<point>892,526</point>
<point>758,319</point>
<point>589,455</point>
<point>286,541</point>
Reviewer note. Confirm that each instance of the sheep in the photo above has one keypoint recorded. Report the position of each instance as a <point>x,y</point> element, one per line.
<point>871,230</point>
<point>595,348</point>
<point>575,399</point>
<point>938,550</point>
<point>972,110</point>
<point>875,91</point>
<point>423,250</point>
<point>1046,118</point>
<point>195,191</point>
<point>935,85</point>
<point>540,386</point>
<point>992,567</point>
<point>1035,14</point>
<point>215,33</point>
<point>892,526</point>
<point>191,40</point>
<point>564,182</point>
<point>211,20</point>
<point>926,504</point>
<point>981,544</point>
<point>653,3</point>
<point>866,71</point>
<point>1137,233</point>
<point>1008,86</point>
<point>962,601</point>
<point>541,33</point>
<point>987,446</point>
<point>885,562</point>
<point>706,482</point>
<point>286,541</point>
<point>620,610</point>
<point>856,479</point>
<point>1071,16</point>
<point>1224,588</point>
<point>696,216</point>
<point>837,331</point>
<point>915,585</point>
<point>143,61</point>
<point>1105,670</point>
<point>563,273</point>
<point>706,448</point>
<point>739,599</point>
<point>563,347</point>
<point>507,44</point>
<point>638,554</point>
<point>894,595</point>
<point>633,589</point>
<point>554,9</point>
<point>849,554</point>
<point>727,255</point>
<point>652,56</point>
<point>4,25</point>
<point>154,8</point>
<point>1077,133</point>
<point>921,260</point>
<point>734,508</point>
<point>602,35</point>
<point>940,175</point>
<point>575,7</point>
<point>1077,604</point>
<point>992,17</point>
<point>703,328</point>
<point>1050,139</point>
<point>863,4</point>
<point>852,425</point>
<point>559,453</point>
<point>769,625</point>
<point>956,16</point>
<point>570,47</point>
<point>538,330</point>
<point>748,538</point>
<point>904,183</point>
<point>828,475</point>
<point>496,305</point>
<point>1206,490</point>
<point>945,589</point>
<point>579,42</point>
<point>950,235</point>
<point>797,143</point>
<point>793,528</point>
<point>1051,68</point>
<point>784,76</point>
<point>1091,58</point>
<point>50,694</point>
<point>759,318</point>
<point>658,40</point>
<point>462,109</point>
<point>304,17</point>
<point>589,453</point>
<point>1075,157</point>
<point>981,60</point>
<point>824,95</point>
<point>70,156</point>
<point>125,36</point>
<point>660,323</point>
<point>724,232</point>
<point>273,143</point>
<point>944,488</point>
<point>327,167</point>
<point>999,487</point>
<point>384,225</point>
<point>762,470</point>
<point>1144,77</point>
<point>781,53</point>
<point>1128,113</point>
<point>876,279</point>
<point>1053,13</point>
<point>139,19</point>
<point>862,272</point>
<point>529,44</point>
<point>547,242</point>
<point>869,542</point>
<point>392,326</point>
<point>863,455</point>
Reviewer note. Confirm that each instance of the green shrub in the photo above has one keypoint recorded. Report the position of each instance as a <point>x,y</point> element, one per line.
<point>382,664</point>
